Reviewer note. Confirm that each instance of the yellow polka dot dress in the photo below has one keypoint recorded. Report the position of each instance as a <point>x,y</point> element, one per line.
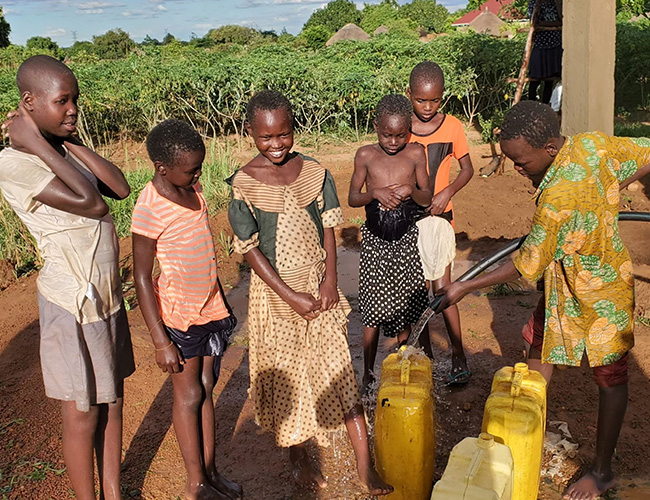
<point>302,380</point>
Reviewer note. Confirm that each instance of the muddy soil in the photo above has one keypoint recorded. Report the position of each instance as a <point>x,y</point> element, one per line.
<point>489,213</point>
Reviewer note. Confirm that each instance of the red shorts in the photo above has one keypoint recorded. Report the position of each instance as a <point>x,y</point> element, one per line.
<point>606,376</point>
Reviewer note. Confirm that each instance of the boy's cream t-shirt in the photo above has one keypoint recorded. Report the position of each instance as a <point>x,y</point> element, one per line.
<point>80,254</point>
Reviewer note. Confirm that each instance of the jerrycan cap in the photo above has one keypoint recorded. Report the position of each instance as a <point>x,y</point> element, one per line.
<point>521,368</point>
<point>485,440</point>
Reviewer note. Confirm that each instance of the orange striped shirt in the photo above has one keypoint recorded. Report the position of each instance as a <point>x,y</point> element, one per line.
<point>187,288</point>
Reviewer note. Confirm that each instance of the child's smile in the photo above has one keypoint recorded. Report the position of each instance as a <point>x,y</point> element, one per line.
<point>272,132</point>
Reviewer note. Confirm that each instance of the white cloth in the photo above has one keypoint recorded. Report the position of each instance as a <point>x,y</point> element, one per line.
<point>81,269</point>
<point>437,246</point>
<point>556,98</point>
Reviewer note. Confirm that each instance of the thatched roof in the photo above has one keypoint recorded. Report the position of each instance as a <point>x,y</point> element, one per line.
<point>349,32</point>
<point>381,30</point>
<point>487,23</point>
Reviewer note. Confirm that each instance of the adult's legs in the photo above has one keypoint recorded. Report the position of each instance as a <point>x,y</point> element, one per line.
<point>186,416</point>
<point>108,449</point>
<point>532,90</point>
<point>229,488</point>
<point>459,370</point>
<point>78,446</point>
<point>370,341</point>
<point>548,90</point>
<point>368,475</point>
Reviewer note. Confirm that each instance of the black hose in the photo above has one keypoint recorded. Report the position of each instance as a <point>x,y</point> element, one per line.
<point>515,245</point>
<point>485,264</point>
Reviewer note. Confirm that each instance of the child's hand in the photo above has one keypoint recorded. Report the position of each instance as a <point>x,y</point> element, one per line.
<point>402,191</point>
<point>386,197</point>
<point>22,130</point>
<point>169,359</point>
<point>439,202</point>
<point>329,295</point>
<point>305,305</point>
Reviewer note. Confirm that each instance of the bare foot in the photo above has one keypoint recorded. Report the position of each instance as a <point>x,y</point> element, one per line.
<point>373,482</point>
<point>589,487</point>
<point>303,472</point>
<point>203,491</point>
<point>232,490</point>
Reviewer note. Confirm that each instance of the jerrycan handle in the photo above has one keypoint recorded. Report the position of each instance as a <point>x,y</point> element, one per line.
<point>484,442</point>
<point>520,371</point>
<point>405,374</point>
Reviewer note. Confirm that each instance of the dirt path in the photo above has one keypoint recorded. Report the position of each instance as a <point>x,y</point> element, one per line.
<point>489,213</point>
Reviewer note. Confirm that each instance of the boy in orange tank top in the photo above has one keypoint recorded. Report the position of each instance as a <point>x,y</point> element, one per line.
<point>442,137</point>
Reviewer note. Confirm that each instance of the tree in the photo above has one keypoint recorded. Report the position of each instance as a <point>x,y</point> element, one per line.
<point>314,37</point>
<point>334,16</point>
<point>42,43</point>
<point>169,38</point>
<point>232,33</point>
<point>5,29</point>
<point>633,8</point>
<point>375,15</point>
<point>148,41</point>
<point>114,44</point>
<point>430,16</point>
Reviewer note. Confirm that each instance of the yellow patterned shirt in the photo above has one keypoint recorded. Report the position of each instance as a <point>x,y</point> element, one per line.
<point>574,243</point>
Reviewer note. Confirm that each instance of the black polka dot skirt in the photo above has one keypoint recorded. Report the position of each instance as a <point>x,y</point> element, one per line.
<point>392,289</point>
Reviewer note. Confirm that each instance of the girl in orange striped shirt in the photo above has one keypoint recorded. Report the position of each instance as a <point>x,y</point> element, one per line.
<point>184,307</point>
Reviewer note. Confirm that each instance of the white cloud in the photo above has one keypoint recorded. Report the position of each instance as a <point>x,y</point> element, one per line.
<point>94,5</point>
<point>259,3</point>
<point>161,8</point>
<point>55,32</point>
<point>203,26</point>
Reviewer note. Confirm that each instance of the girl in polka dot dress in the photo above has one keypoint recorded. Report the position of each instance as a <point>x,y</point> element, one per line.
<point>283,210</point>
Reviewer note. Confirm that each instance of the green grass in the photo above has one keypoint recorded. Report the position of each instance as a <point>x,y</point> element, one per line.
<point>16,244</point>
<point>634,129</point>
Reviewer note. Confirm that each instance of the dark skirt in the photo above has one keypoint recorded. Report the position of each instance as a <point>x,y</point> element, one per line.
<point>392,290</point>
<point>545,63</point>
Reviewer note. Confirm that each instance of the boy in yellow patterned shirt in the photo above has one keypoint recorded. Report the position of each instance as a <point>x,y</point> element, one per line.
<point>574,245</point>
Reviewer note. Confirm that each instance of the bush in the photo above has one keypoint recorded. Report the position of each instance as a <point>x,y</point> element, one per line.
<point>332,89</point>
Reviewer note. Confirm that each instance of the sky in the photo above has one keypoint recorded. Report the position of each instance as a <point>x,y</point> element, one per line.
<point>66,21</point>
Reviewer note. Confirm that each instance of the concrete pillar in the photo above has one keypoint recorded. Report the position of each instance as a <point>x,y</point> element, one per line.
<point>589,41</point>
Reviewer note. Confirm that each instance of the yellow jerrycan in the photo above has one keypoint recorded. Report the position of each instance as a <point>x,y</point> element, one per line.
<point>515,414</point>
<point>404,425</point>
<point>478,469</point>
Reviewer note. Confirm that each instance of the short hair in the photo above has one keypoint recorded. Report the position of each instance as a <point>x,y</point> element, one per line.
<point>426,72</point>
<point>171,137</point>
<point>37,71</point>
<point>394,104</point>
<point>267,100</point>
<point>534,121</point>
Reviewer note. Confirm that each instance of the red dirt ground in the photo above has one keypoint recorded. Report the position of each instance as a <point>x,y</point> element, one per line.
<point>489,213</point>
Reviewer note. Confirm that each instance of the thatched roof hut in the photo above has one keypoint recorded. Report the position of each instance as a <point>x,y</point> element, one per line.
<point>349,32</point>
<point>381,30</point>
<point>488,24</point>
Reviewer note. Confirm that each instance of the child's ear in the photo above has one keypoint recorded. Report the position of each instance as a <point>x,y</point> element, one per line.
<point>249,129</point>
<point>551,148</point>
<point>408,92</point>
<point>160,167</point>
<point>27,100</point>
<point>374,124</point>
